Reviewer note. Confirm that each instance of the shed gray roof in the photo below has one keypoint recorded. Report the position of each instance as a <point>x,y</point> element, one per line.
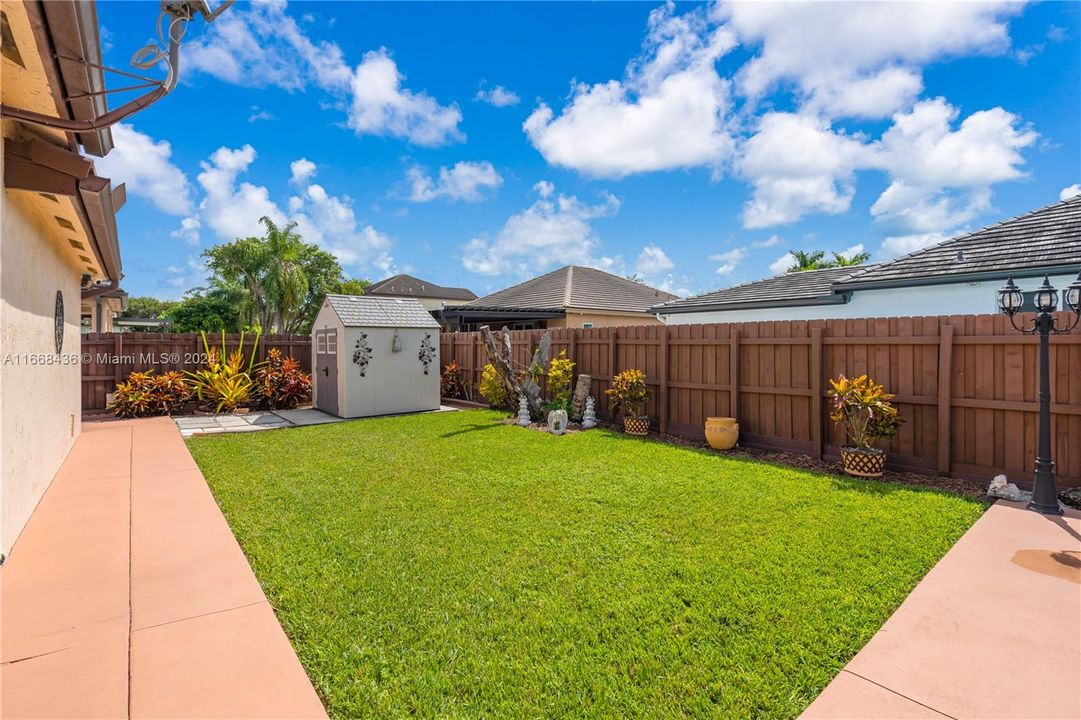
<point>366,311</point>
<point>1029,244</point>
<point>810,287</point>
<point>409,286</point>
<point>577,287</point>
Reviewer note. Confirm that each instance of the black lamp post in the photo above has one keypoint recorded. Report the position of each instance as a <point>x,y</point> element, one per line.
<point>1010,299</point>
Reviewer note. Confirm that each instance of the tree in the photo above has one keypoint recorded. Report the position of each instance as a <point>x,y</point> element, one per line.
<point>282,279</point>
<point>353,286</point>
<point>211,311</point>
<point>813,260</point>
<point>147,307</point>
<point>840,260</point>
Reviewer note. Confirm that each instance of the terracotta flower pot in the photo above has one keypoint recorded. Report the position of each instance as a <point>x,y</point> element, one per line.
<point>863,462</point>
<point>722,433</point>
<point>636,424</point>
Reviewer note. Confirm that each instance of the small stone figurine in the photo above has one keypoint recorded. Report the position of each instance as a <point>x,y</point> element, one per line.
<point>523,412</point>
<point>589,417</point>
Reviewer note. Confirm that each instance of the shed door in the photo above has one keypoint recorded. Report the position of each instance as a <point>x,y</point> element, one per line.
<point>326,365</point>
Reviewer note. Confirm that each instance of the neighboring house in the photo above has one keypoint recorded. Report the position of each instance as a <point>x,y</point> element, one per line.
<point>59,241</point>
<point>99,313</point>
<point>131,324</point>
<point>433,297</point>
<point>571,296</point>
<point>957,277</point>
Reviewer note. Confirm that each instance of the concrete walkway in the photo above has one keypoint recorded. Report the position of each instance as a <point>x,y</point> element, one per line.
<point>127,596</point>
<point>265,420</point>
<point>993,631</point>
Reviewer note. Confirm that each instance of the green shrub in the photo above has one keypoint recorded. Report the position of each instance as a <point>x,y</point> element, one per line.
<point>492,388</point>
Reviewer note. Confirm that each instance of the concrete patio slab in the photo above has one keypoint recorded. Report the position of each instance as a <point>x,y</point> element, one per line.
<point>127,595</point>
<point>993,631</point>
<point>307,416</point>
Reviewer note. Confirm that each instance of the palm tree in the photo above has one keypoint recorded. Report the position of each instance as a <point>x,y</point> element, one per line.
<point>804,261</point>
<point>285,284</point>
<point>840,260</point>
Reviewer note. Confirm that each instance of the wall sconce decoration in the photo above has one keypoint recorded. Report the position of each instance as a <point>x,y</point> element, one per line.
<point>396,343</point>
<point>427,352</point>
<point>362,354</point>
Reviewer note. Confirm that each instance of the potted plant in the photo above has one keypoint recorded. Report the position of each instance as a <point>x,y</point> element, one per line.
<point>863,408</point>
<point>629,393</point>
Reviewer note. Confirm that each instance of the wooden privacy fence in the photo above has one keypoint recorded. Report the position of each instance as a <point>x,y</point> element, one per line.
<point>966,385</point>
<point>108,358</point>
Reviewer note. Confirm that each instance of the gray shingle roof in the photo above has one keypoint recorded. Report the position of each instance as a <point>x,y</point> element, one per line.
<point>1042,239</point>
<point>366,311</point>
<point>577,287</point>
<point>409,286</point>
<point>811,287</point>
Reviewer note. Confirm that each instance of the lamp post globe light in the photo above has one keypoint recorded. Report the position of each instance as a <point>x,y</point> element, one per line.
<point>1010,300</point>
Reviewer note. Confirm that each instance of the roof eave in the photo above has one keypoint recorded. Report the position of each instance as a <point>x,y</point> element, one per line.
<point>835,299</point>
<point>1036,271</point>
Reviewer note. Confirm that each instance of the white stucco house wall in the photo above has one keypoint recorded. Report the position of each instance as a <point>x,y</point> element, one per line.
<point>374,356</point>
<point>960,276</point>
<point>59,244</point>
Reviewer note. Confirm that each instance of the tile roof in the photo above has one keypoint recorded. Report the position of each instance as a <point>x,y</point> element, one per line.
<point>576,287</point>
<point>811,287</point>
<point>409,286</point>
<point>367,311</point>
<point>1044,238</point>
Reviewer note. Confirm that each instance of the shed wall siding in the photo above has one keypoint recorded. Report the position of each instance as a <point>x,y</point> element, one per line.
<point>394,381</point>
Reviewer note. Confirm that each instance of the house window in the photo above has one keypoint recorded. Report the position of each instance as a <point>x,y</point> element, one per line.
<point>587,326</point>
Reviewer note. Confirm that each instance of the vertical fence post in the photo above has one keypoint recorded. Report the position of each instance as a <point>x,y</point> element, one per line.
<point>816,392</point>
<point>662,395</point>
<point>118,348</point>
<point>945,393</point>
<point>733,373</point>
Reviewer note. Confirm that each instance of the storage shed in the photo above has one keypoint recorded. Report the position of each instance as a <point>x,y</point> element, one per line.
<point>374,356</point>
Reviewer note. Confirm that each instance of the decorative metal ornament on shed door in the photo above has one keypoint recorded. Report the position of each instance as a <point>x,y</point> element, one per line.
<point>58,322</point>
<point>427,352</point>
<point>362,354</point>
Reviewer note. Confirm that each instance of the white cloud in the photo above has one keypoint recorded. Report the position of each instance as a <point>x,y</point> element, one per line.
<point>860,59</point>
<point>188,231</point>
<point>771,241</point>
<point>231,208</point>
<point>904,244</point>
<point>260,45</point>
<point>146,166</point>
<point>464,181</point>
<point>653,261</point>
<point>797,165</point>
<point>729,260</point>
<point>549,233</point>
<point>258,114</point>
<point>781,264</point>
<point>544,188</point>
<point>302,171</point>
<point>668,112</point>
<point>381,106</point>
<point>851,252</point>
<point>498,96</point>
<point>1070,191</point>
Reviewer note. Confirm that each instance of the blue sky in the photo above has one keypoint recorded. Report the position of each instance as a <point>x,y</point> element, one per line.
<point>478,144</point>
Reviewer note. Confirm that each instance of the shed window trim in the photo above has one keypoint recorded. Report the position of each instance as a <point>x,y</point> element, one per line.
<point>321,343</point>
<point>332,343</point>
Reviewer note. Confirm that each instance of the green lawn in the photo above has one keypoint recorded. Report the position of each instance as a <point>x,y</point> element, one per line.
<point>448,565</point>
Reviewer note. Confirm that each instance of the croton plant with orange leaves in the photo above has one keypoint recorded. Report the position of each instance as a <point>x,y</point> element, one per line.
<point>863,408</point>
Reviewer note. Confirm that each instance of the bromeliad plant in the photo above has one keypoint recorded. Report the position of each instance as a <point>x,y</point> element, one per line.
<point>225,381</point>
<point>144,394</point>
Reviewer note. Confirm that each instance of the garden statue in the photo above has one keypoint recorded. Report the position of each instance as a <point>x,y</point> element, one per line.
<point>589,417</point>
<point>581,392</point>
<point>523,412</point>
<point>557,422</point>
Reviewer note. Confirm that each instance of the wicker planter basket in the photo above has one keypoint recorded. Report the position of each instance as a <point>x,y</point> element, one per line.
<point>863,462</point>
<point>636,424</point>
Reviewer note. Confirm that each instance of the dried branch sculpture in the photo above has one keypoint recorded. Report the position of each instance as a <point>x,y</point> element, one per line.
<point>501,356</point>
